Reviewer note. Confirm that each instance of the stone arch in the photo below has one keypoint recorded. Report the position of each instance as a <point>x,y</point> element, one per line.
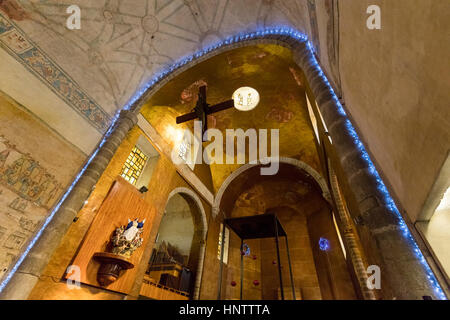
<point>290,161</point>
<point>200,220</point>
<point>294,40</point>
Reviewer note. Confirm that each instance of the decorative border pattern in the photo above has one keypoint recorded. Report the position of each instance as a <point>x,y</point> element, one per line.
<point>14,41</point>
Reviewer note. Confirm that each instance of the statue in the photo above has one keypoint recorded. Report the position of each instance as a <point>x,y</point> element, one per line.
<point>124,241</point>
<point>133,228</point>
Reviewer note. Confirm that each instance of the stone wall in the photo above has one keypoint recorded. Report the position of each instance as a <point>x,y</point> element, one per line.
<point>294,221</point>
<point>291,202</point>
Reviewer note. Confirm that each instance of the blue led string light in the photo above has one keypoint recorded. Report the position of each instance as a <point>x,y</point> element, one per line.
<point>324,244</point>
<point>259,34</point>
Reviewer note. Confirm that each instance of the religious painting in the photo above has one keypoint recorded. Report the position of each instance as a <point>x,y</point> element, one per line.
<point>33,175</point>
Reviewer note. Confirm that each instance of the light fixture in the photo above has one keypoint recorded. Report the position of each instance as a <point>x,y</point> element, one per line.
<point>245,98</point>
<point>324,244</point>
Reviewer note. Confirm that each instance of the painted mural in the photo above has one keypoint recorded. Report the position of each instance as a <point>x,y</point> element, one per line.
<point>26,177</point>
<point>27,191</point>
<point>271,70</point>
<point>35,167</point>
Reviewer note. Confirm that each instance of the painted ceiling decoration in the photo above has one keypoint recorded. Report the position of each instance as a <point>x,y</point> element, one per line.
<point>122,44</point>
<point>25,51</point>
<point>269,69</point>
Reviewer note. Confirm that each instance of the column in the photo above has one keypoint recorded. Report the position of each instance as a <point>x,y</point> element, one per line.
<point>401,269</point>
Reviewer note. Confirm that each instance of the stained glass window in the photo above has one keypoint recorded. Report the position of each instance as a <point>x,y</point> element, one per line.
<point>133,167</point>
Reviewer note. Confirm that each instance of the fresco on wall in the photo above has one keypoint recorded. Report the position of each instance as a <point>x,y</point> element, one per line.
<point>26,177</point>
<point>190,93</point>
<point>35,167</point>
<point>27,191</point>
<point>13,10</point>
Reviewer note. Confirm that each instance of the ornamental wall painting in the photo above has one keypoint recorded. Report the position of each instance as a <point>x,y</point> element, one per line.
<point>27,192</point>
<point>25,176</point>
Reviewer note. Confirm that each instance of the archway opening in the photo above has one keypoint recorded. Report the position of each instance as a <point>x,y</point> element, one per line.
<point>274,73</point>
<point>297,200</point>
<point>176,260</point>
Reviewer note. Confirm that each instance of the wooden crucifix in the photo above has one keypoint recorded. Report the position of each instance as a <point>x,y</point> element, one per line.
<point>202,110</point>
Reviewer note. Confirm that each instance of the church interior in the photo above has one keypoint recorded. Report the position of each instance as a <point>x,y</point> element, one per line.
<point>137,136</point>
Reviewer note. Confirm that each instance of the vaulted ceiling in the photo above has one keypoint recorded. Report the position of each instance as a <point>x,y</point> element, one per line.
<point>120,46</point>
<point>122,43</point>
<point>269,69</point>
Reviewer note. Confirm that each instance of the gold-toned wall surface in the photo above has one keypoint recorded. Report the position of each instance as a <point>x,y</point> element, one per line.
<point>271,70</point>
<point>164,179</point>
<point>293,203</point>
<point>306,217</point>
<point>36,166</point>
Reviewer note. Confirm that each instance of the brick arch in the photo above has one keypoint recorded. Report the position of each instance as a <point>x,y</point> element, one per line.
<point>199,215</point>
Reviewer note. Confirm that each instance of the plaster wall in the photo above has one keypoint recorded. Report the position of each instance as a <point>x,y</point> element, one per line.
<point>396,91</point>
<point>436,231</point>
<point>177,225</point>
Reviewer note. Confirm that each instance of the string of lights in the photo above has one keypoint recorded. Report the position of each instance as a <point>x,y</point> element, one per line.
<point>260,34</point>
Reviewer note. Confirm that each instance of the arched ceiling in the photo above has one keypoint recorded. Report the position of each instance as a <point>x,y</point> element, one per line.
<point>288,187</point>
<point>269,69</point>
<point>75,80</point>
<point>122,43</point>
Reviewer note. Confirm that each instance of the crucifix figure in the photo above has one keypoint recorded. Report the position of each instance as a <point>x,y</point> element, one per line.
<point>202,110</point>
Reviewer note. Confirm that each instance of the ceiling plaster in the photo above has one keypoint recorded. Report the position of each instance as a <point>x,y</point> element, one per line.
<point>122,44</point>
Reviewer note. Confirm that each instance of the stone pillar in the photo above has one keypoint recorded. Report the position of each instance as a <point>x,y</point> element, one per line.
<point>400,267</point>
<point>350,239</point>
<point>37,259</point>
